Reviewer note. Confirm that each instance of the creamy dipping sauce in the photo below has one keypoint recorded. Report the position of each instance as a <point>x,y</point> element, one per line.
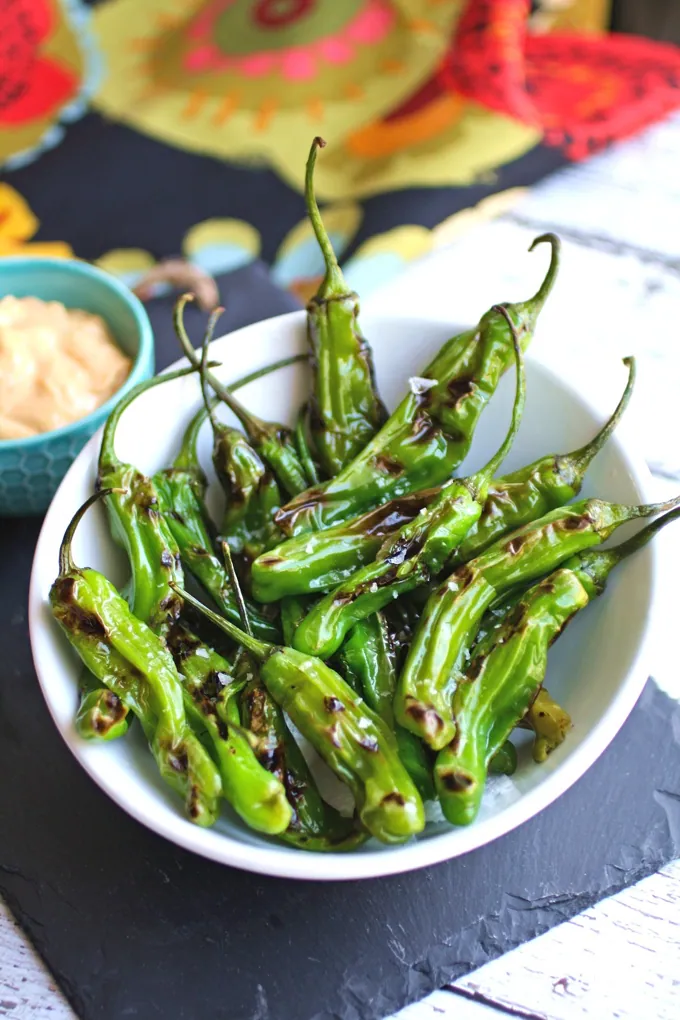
<point>57,365</point>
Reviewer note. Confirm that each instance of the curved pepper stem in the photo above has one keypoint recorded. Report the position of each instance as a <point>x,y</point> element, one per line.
<point>583,457</point>
<point>107,453</point>
<point>490,469</point>
<point>541,295</point>
<point>66,564</point>
<point>255,428</point>
<point>598,563</point>
<point>238,594</point>
<point>260,649</point>
<point>333,284</point>
<point>188,454</point>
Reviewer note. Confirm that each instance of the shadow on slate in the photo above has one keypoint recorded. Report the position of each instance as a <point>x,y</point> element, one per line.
<point>133,927</point>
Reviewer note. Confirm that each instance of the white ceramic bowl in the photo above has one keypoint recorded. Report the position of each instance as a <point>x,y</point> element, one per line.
<point>597,669</point>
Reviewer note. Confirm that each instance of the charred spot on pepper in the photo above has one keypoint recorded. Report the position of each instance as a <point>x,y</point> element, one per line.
<point>176,516</point>
<point>181,642</point>
<point>575,522</point>
<point>423,429</point>
<point>460,388</point>
<point>333,704</point>
<point>178,761</point>
<point>475,667</point>
<point>515,544</point>
<point>193,801</point>
<point>332,732</point>
<point>427,715</point>
<point>82,621</point>
<point>167,559</point>
<point>394,798</point>
<point>369,744</point>
<point>456,782</point>
<point>214,684</point>
<point>387,465</point>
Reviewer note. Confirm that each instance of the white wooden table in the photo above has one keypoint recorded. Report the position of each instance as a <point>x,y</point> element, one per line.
<point>618,294</point>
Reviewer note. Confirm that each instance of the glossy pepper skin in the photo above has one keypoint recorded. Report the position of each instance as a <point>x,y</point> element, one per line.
<point>351,739</point>
<point>452,615</point>
<point>430,432</point>
<point>274,442</point>
<point>314,824</point>
<point>368,664</point>
<point>179,494</point>
<point>251,491</point>
<point>137,524</point>
<point>211,704</point>
<point>345,411</point>
<point>319,561</point>
<point>415,553</point>
<point>180,491</point>
<point>126,655</point>
<point>508,669</point>
<point>530,492</point>
<point>303,448</point>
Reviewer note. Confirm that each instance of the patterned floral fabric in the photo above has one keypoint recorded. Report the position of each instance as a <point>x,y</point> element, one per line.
<point>134,130</point>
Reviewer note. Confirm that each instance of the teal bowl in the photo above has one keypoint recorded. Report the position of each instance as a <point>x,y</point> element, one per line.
<point>32,468</point>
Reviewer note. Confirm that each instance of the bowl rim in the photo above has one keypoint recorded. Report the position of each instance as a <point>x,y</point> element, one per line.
<point>280,861</point>
<point>144,349</point>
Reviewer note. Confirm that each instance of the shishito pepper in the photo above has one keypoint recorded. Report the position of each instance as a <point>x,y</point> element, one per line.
<point>351,739</point>
<point>430,432</point>
<point>123,653</point>
<point>274,442</point>
<point>415,553</point>
<point>550,482</point>
<point>369,665</point>
<point>345,411</point>
<point>211,697</point>
<point>508,668</point>
<point>251,491</point>
<point>452,615</point>
<point>319,561</point>
<point>314,824</point>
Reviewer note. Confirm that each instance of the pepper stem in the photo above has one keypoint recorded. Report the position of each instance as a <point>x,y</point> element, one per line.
<point>107,453</point>
<point>66,563</point>
<point>650,509</point>
<point>333,282</point>
<point>208,404</point>
<point>489,470</point>
<point>582,458</point>
<point>258,648</point>
<point>543,291</point>
<point>238,594</point>
<point>255,428</point>
<point>637,541</point>
<point>188,454</point>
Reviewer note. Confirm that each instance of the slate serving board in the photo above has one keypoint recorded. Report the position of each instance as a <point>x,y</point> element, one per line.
<point>131,926</point>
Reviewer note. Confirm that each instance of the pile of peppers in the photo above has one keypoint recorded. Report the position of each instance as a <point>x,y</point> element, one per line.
<point>357,598</point>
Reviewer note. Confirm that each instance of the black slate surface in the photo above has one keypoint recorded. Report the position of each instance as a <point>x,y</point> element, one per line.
<point>133,927</point>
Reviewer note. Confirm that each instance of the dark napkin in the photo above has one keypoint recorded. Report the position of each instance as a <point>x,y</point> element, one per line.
<point>132,926</point>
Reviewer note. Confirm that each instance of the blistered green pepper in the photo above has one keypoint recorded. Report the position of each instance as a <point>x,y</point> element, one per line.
<point>452,615</point>
<point>415,553</point>
<point>211,704</point>
<point>430,433</point>
<point>345,411</point>
<point>368,663</point>
<point>351,739</point>
<point>508,669</point>
<point>273,441</point>
<point>123,653</point>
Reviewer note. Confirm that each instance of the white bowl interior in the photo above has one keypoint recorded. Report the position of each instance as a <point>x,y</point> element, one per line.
<point>596,670</point>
